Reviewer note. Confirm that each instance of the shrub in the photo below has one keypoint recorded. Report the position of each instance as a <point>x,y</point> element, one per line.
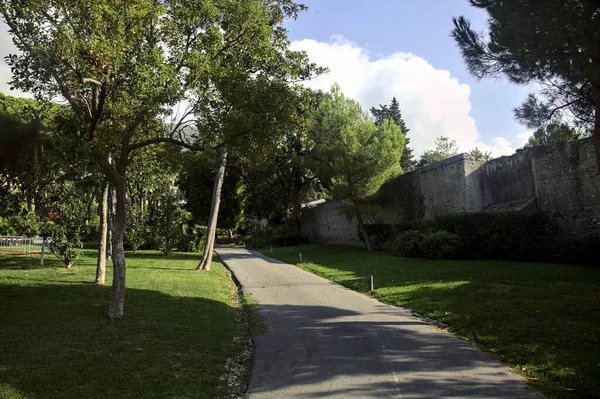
<point>65,245</point>
<point>379,233</point>
<point>408,244</point>
<point>441,245</point>
<point>505,235</point>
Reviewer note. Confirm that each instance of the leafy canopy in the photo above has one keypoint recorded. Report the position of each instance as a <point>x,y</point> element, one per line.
<point>392,112</point>
<point>445,147</point>
<point>552,43</point>
<point>352,156</point>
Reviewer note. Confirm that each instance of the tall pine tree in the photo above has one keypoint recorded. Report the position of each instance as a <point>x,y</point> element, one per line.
<point>393,113</point>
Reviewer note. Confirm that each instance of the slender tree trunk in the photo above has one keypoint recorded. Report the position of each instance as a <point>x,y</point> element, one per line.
<point>110,220</point>
<point>43,251</point>
<point>363,231</point>
<point>214,212</point>
<point>102,212</point>
<point>597,129</point>
<point>117,298</point>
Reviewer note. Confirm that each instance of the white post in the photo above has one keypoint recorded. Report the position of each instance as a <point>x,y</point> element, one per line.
<point>300,256</point>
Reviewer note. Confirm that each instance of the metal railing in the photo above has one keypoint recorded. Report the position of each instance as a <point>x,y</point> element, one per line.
<point>19,245</point>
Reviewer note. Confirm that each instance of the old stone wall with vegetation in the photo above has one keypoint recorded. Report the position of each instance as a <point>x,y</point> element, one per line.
<point>560,180</point>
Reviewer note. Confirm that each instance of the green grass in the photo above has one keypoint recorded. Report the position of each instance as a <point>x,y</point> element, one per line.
<point>542,320</point>
<point>57,342</point>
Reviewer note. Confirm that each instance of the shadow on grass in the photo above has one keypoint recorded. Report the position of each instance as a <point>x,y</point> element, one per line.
<point>160,255</point>
<point>58,343</point>
<point>28,262</point>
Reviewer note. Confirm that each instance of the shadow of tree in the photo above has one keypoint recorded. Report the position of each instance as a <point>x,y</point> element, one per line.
<point>541,319</point>
<point>306,352</point>
<point>57,343</point>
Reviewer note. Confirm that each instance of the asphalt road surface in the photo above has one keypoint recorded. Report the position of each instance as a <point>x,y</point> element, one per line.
<point>326,341</point>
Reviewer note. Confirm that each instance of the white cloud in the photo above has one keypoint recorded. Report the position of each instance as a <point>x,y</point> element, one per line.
<point>501,146</point>
<point>433,103</point>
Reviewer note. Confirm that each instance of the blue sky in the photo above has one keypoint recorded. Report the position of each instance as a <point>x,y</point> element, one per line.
<point>381,28</point>
<point>377,49</point>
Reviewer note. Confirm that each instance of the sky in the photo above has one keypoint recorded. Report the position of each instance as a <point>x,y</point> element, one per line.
<point>379,49</point>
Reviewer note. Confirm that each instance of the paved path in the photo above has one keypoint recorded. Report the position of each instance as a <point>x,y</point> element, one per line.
<point>326,341</point>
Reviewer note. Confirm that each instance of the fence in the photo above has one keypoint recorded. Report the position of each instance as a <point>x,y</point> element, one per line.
<point>18,245</point>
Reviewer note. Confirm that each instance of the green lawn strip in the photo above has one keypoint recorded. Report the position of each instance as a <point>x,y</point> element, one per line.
<point>174,341</point>
<point>541,319</point>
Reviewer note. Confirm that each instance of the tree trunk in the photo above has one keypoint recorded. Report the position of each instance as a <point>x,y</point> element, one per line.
<point>102,212</point>
<point>597,129</point>
<point>214,212</point>
<point>117,297</point>
<point>110,220</point>
<point>43,251</point>
<point>363,231</point>
<point>68,265</point>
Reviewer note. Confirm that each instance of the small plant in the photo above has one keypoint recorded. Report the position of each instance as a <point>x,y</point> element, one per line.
<point>408,244</point>
<point>441,244</point>
<point>65,246</point>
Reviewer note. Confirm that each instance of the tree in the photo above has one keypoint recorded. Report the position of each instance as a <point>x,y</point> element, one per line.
<point>444,148</point>
<point>551,134</point>
<point>168,218</point>
<point>254,115</point>
<point>103,230</point>
<point>553,44</point>
<point>479,155</point>
<point>353,157</point>
<point>124,66</point>
<point>196,181</point>
<point>392,112</point>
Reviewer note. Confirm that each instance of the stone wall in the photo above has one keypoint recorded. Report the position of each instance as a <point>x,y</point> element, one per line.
<point>561,179</point>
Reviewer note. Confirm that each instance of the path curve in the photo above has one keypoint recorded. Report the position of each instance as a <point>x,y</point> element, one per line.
<point>327,341</point>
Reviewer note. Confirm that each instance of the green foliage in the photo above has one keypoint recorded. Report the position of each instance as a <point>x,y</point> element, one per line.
<point>10,203</point>
<point>168,220</point>
<point>197,182</point>
<point>392,112</point>
<point>553,45</point>
<point>408,244</point>
<point>195,238</point>
<point>479,155</point>
<point>444,148</point>
<point>27,225</point>
<point>441,244</point>
<point>352,157</point>
<point>429,244</point>
<point>137,229</point>
<point>379,233</point>
<point>66,245</point>
<point>551,134</point>
<point>506,235</point>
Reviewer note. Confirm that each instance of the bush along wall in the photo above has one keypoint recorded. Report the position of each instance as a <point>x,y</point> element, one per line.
<point>524,236</point>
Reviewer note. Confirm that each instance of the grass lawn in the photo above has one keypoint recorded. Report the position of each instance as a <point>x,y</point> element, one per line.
<point>542,320</point>
<point>57,342</point>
